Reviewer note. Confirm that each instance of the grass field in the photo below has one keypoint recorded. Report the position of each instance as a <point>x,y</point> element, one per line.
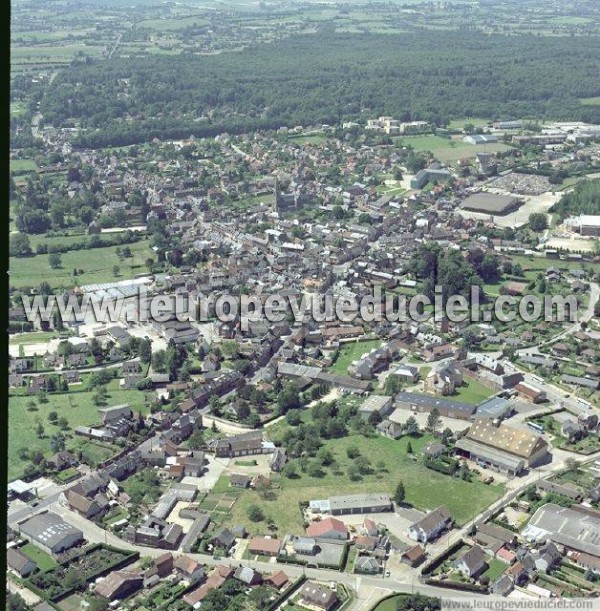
<point>473,392</point>
<point>81,411</point>
<point>425,489</point>
<point>448,150</point>
<point>23,165</point>
<point>314,139</point>
<point>352,352</point>
<point>542,263</point>
<point>496,568</point>
<point>97,264</point>
<point>40,557</point>
<point>591,101</point>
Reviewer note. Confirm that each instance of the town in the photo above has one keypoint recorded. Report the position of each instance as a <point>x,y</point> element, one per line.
<point>303,464</point>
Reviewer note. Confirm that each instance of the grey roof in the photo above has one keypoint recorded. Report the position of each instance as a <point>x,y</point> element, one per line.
<point>196,529</point>
<point>359,501</point>
<point>489,202</point>
<point>495,456</point>
<point>432,401</point>
<point>494,407</point>
<point>578,529</point>
<point>48,529</point>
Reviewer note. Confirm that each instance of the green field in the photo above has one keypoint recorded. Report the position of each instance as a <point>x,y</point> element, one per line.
<point>591,101</point>
<point>171,24</point>
<point>23,165</point>
<point>495,569</point>
<point>425,489</point>
<point>472,392</point>
<point>81,411</point>
<point>448,150</point>
<point>97,264</point>
<point>314,139</point>
<point>41,558</point>
<point>351,352</point>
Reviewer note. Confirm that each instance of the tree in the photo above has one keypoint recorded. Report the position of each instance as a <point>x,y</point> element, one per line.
<point>145,350</point>
<point>289,398</point>
<point>19,245</point>
<point>116,269</point>
<point>290,470</point>
<point>409,448</point>
<point>433,421</point>
<point>53,417</point>
<point>411,426</point>
<point>54,260</point>
<point>196,441</point>
<point>446,436</point>
<point>39,430</point>
<point>14,602</point>
<point>57,442</point>
<point>400,493</point>
<point>538,221</point>
<point>393,384</point>
<point>63,423</point>
<point>255,513</point>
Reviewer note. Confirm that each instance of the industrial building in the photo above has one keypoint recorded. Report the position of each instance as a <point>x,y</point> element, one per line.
<point>352,503</point>
<point>50,533</point>
<point>502,447</point>
<point>490,203</point>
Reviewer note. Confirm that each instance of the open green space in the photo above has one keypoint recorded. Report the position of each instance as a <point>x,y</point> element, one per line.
<point>448,150</point>
<point>351,352</point>
<point>495,569</point>
<point>97,265</point>
<point>312,139</point>
<point>23,165</point>
<point>473,391</point>
<point>425,489</point>
<point>76,407</point>
<point>40,557</point>
<point>591,101</point>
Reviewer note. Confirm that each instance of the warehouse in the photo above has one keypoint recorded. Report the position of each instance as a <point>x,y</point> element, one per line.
<point>352,503</point>
<point>426,403</point>
<point>51,533</point>
<point>502,447</point>
<point>576,528</point>
<point>490,203</point>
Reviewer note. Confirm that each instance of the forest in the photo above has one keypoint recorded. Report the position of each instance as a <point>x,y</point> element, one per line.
<point>327,78</point>
<point>584,199</point>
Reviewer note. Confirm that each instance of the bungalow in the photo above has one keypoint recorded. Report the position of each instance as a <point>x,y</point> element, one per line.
<point>376,404</point>
<point>248,576</point>
<point>18,562</point>
<point>239,481</point>
<point>329,528</point>
<point>264,546</point>
<point>472,563</point>
<point>368,565</point>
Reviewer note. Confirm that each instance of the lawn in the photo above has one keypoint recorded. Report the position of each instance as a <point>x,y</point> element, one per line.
<point>76,407</point>
<point>314,139</point>
<point>425,489</point>
<point>22,165</point>
<point>40,557</point>
<point>496,568</point>
<point>473,392</point>
<point>352,352</point>
<point>96,263</point>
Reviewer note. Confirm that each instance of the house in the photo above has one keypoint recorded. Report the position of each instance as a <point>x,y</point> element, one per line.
<point>278,460</point>
<point>413,556</point>
<point>503,586</point>
<point>366,543</point>
<point>369,527</point>
<point>188,569</point>
<point>433,449</point>
<point>329,528</point>
<point>248,576</point>
<point>472,563</point>
<point>431,526</point>
<point>239,481</point>
<point>50,533</point>
<point>367,564</point>
<point>223,540</point>
<point>530,392</point>
<point>277,580</point>
<point>18,562</point>
<point>547,558</point>
<point>245,444</point>
<point>215,580</point>
<point>264,546</point>
<point>317,595</point>
<point>390,429</point>
<point>407,372</point>
<point>304,545</point>
<point>113,414</point>
<point>62,460</point>
<point>119,585</point>
<point>86,507</point>
<point>572,430</point>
